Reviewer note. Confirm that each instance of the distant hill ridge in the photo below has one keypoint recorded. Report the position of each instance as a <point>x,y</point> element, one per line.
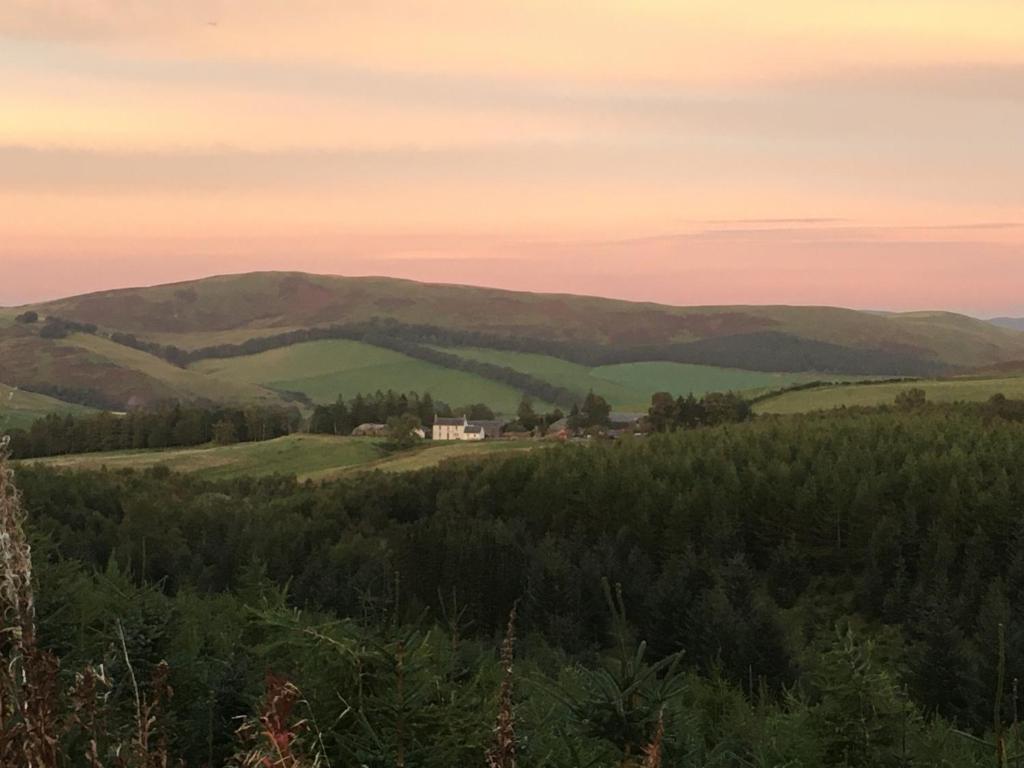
<point>1013,323</point>
<point>148,338</point>
<point>266,301</point>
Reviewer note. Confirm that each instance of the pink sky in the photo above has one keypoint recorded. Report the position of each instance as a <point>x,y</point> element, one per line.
<point>685,151</point>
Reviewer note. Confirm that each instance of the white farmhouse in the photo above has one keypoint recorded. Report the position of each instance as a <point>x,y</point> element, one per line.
<point>461,428</point>
<point>450,429</point>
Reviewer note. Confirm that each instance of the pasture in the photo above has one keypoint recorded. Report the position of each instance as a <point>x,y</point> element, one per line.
<point>325,369</point>
<point>292,455</point>
<point>18,408</point>
<point>185,384</point>
<point>430,455</point>
<point>869,394</point>
<point>308,457</point>
<point>629,386</point>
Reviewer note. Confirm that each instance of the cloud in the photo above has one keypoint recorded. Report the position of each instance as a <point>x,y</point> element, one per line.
<point>754,130</point>
<point>682,41</point>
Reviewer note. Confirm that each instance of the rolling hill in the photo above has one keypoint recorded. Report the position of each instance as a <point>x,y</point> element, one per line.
<point>92,370</point>
<point>274,337</point>
<point>268,302</point>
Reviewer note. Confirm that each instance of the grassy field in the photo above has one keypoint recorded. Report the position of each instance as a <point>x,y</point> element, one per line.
<point>296,454</point>
<point>99,371</point>
<point>312,457</point>
<point>430,455</point>
<point>939,391</point>
<point>629,386</point>
<point>325,369</point>
<point>7,316</point>
<point>185,383</point>
<point>199,339</point>
<point>18,409</point>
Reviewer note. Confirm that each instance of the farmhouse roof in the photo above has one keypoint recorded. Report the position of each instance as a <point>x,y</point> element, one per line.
<point>444,421</point>
<point>623,417</point>
<point>474,429</point>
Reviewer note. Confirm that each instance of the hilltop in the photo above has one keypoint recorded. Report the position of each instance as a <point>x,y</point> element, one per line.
<point>236,307</point>
<point>286,337</point>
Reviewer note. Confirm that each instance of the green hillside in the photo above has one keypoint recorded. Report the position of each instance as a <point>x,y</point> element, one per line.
<point>185,384</point>
<point>628,386</point>
<point>259,302</point>
<point>96,371</point>
<point>940,391</point>
<point>18,408</point>
<point>324,369</point>
<point>259,337</point>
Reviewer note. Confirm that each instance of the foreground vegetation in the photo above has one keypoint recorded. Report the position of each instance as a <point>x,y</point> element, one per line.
<point>829,590</point>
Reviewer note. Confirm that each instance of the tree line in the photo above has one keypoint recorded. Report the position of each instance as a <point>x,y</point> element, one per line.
<point>763,350</point>
<point>342,416</point>
<point>176,424</point>
<point>167,426</point>
<point>668,413</point>
<point>389,335</point>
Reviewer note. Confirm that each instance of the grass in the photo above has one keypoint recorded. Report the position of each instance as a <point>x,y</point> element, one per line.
<point>432,454</point>
<point>18,408</point>
<point>629,386</point>
<point>682,378</point>
<point>185,384</point>
<point>95,370</point>
<point>309,457</point>
<point>199,339</point>
<point>325,369</point>
<point>866,394</point>
<point>299,455</point>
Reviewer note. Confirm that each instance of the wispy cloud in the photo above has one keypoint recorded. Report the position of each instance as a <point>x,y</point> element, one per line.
<point>753,134</point>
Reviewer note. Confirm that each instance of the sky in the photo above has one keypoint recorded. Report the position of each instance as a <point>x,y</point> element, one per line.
<point>866,154</point>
